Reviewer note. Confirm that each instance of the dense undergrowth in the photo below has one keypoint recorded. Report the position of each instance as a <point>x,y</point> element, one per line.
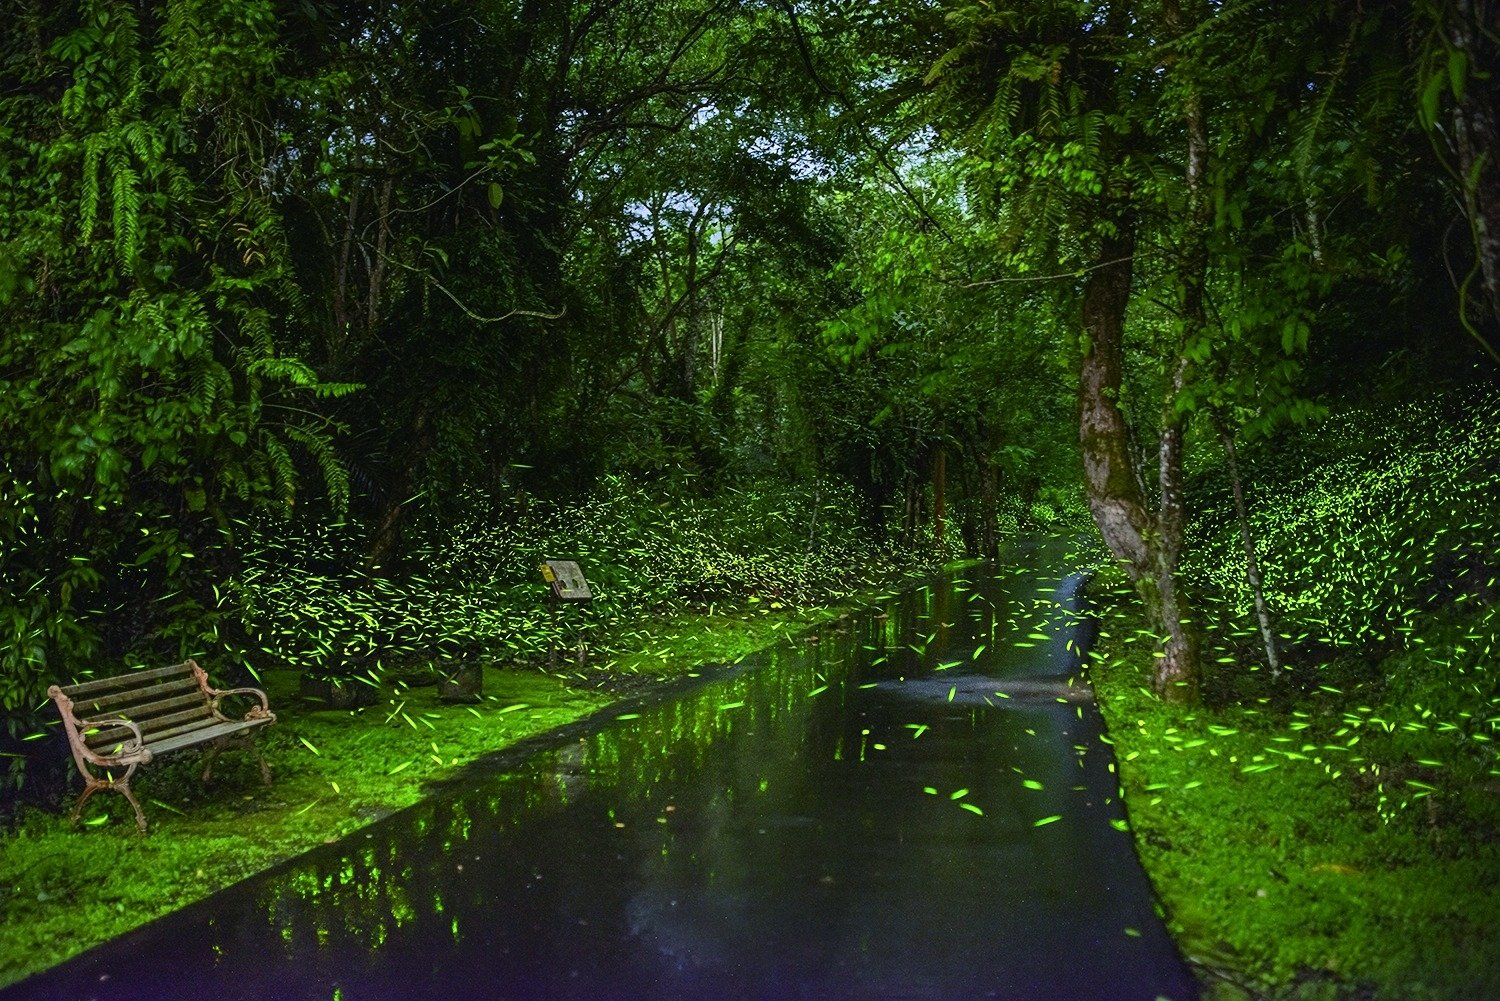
<point>1334,832</point>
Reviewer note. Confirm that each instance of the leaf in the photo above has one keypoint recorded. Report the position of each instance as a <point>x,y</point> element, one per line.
<point>496,193</point>
<point>1458,72</point>
<point>1427,112</point>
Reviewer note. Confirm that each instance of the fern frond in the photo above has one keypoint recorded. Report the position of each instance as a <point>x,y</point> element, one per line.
<point>319,445</point>
<point>255,325</point>
<point>211,383</point>
<point>1004,110</point>
<point>1049,117</point>
<point>147,145</point>
<point>283,472</point>
<point>292,370</point>
<point>126,197</point>
<point>1091,137</point>
<point>88,204</point>
<point>955,56</point>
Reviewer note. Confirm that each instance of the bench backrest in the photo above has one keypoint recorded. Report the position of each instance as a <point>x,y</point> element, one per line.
<point>165,698</point>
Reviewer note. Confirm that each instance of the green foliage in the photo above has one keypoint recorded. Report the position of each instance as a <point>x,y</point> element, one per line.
<point>1277,860</point>
<point>925,358</point>
<point>140,268</point>
<point>1377,746</point>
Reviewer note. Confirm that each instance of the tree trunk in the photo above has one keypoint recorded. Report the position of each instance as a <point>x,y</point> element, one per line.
<point>1252,566</point>
<point>1115,501</point>
<point>912,514</point>
<point>385,544</point>
<point>1148,544</point>
<point>812,527</point>
<point>1152,544</point>
<point>939,486</point>
<point>989,543</point>
<point>1175,676</point>
<point>1476,139</point>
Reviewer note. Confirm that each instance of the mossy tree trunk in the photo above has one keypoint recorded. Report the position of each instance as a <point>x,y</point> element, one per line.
<point>1148,542</point>
<point>1148,538</point>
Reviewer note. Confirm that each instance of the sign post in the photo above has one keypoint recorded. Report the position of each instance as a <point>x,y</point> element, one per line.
<point>566,586</point>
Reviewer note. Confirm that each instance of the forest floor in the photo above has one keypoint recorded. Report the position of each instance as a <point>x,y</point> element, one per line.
<point>1287,873</point>
<point>333,772</point>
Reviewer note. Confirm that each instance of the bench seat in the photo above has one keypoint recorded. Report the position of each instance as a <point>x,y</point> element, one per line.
<point>177,741</point>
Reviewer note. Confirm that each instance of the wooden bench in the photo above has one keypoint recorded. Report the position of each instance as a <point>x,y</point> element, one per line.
<point>128,720</point>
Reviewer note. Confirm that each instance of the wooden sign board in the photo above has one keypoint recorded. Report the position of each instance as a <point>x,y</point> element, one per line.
<point>566,580</point>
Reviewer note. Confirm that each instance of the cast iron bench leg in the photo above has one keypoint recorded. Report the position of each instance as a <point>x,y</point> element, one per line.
<point>93,785</point>
<point>248,741</point>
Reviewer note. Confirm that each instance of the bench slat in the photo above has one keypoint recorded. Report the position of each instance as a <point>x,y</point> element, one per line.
<point>162,736</point>
<point>127,680</point>
<point>156,724</point>
<point>123,702</point>
<point>151,727</point>
<point>146,722</point>
<point>198,730</point>
<point>199,736</point>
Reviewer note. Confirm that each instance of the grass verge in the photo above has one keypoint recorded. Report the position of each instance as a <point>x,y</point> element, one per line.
<point>1301,847</point>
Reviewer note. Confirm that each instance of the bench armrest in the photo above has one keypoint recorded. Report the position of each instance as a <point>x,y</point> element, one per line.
<point>135,747</point>
<point>256,712</point>
<point>262,711</point>
<point>132,752</point>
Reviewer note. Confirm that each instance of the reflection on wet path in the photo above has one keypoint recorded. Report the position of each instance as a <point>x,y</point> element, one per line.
<point>915,806</point>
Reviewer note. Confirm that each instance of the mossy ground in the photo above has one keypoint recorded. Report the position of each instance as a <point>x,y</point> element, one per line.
<point>1283,872</point>
<point>62,891</point>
